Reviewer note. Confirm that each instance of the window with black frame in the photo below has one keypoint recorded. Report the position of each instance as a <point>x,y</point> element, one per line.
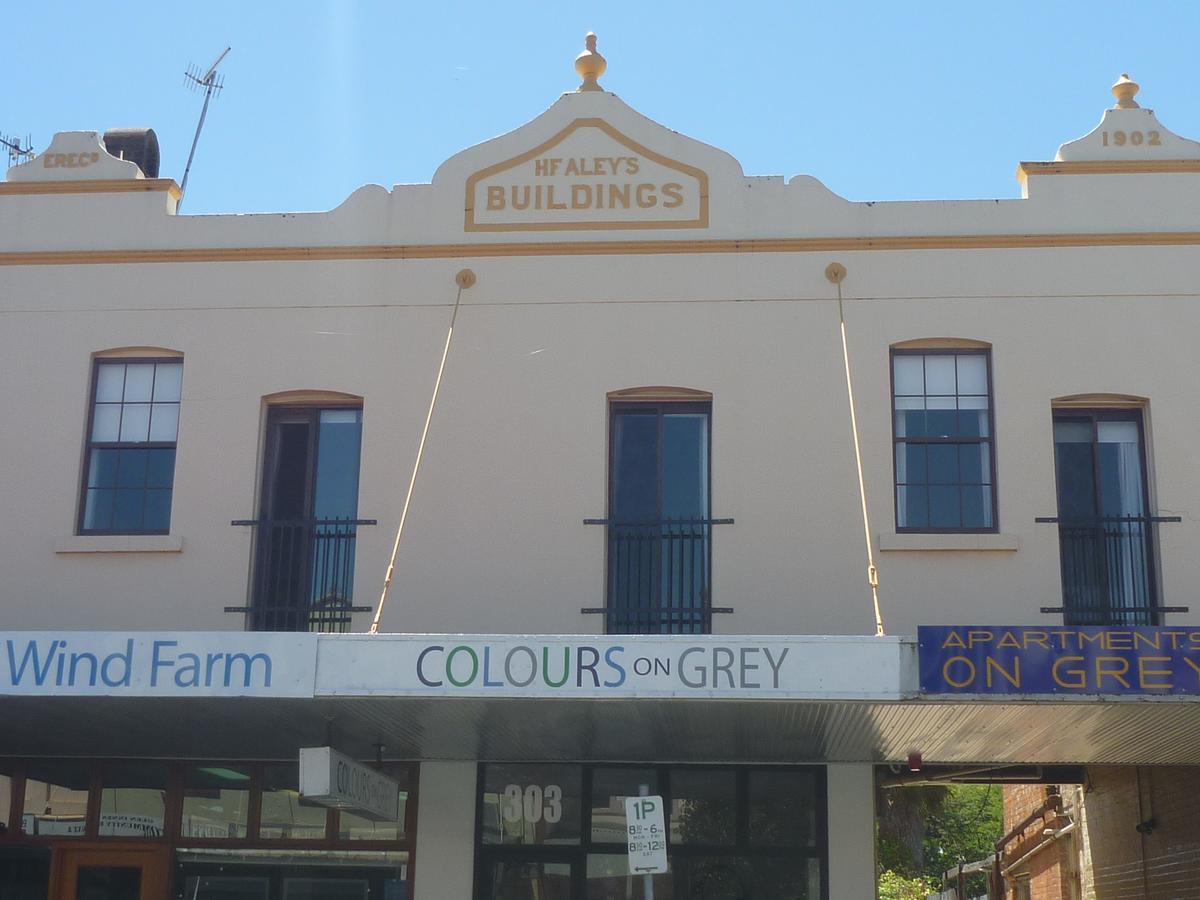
<point>659,525</point>
<point>129,464</point>
<point>943,437</point>
<point>557,831</point>
<point>303,571</point>
<point>1105,530</point>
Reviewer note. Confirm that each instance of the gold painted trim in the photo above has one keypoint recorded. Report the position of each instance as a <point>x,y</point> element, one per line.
<point>598,248</point>
<point>659,394</point>
<point>138,353</point>
<point>701,220</point>
<point>98,186</point>
<point>314,397</point>
<point>1100,401</point>
<point>1109,167</point>
<point>942,343</point>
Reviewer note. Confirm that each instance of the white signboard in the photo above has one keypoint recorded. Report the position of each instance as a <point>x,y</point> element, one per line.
<point>248,664</point>
<point>334,779</point>
<point>610,666</point>
<point>180,664</point>
<point>157,664</point>
<point>645,835</point>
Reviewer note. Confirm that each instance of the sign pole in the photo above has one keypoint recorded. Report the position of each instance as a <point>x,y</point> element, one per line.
<point>647,880</point>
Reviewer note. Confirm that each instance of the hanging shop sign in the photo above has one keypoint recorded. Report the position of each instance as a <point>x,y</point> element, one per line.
<point>996,659</point>
<point>333,779</point>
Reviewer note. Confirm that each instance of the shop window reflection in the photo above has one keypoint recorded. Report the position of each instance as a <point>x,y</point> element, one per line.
<point>704,806</point>
<point>610,787</point>
<point>133,802</point>
<point>353,827</point>
<point>285,816</point>
<point>216,802</point>
<point>517,880</point>
<point>532,804</point>
<point>6,788</point>
<point>783,809</point>
<point>56,797</point>
<point>608,876</point>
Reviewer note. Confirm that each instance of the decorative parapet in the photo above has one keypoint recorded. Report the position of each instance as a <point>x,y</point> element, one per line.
<point>76,156</point>
<point>1128,132</point>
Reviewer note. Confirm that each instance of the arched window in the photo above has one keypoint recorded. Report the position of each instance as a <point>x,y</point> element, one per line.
<point>659,517</point>
<point>308,512</point>
<point>1105,521</point>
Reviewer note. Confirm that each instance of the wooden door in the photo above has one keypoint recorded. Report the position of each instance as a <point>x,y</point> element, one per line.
<point>109,871</point>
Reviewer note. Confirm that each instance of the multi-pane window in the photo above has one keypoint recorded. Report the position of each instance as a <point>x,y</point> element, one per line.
<point>942,431</point>
<point>130,463</point>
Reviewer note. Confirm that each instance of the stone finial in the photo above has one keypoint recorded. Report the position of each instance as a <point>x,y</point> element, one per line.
<point>590,65</point>
<point>1124,90</point>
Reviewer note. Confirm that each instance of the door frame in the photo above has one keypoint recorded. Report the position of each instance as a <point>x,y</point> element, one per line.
<point>1093,416</point>
<point>153,859</point>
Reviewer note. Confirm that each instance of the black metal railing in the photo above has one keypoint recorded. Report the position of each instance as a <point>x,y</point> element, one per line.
<point>659,576</point>
<point>1108,571</point>
<point>303,574</point>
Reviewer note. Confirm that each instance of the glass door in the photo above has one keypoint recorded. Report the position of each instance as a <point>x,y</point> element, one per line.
<point>527,879</point>
<point>304,569</point>
<point>659,532</point>
<point>113,872</point>
<point>1103,516</point>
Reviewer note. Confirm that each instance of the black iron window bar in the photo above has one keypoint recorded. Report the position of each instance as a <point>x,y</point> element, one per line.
<point>1109,534</point>
<point>659,576</point>
<point>303,574</point>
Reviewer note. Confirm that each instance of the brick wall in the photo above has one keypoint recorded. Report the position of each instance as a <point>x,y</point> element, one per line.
<point>1051,870</point>
<point>1161,865</point>
<point>1107,857</point>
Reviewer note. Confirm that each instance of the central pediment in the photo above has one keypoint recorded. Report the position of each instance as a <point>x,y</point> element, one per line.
<point>589,163</point>
<point>589,175</point>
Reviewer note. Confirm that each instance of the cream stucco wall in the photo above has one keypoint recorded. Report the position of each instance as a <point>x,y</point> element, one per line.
<point>445,831</point>
<point>517,454</point>
<point>851,825</point>
<point>516,457</point>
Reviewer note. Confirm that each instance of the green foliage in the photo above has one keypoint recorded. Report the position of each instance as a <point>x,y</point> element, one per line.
<point>965,827</point>
<point>903,814</point>
<point>924,831</point>
<point>894,886</point>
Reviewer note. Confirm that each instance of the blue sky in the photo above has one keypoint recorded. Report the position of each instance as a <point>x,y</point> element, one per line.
<point>878,100</point>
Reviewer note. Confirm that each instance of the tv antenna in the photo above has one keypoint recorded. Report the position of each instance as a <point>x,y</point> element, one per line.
<point>212,84</point>
<point>17,153</point>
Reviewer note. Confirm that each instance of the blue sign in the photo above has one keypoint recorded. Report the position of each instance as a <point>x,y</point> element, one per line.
<point>1015,659</point>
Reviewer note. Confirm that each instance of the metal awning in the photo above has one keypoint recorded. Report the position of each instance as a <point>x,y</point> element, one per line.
<point>686,698</point>
<point>980,731</point>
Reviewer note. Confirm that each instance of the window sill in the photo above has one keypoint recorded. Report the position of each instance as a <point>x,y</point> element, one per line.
<point>955,542</point>
<point>119,543</point>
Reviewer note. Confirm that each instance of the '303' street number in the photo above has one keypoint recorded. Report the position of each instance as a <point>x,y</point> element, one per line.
<point>533,803</point>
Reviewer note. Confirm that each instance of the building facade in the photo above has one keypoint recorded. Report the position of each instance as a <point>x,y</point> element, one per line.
<point>633,557</point>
